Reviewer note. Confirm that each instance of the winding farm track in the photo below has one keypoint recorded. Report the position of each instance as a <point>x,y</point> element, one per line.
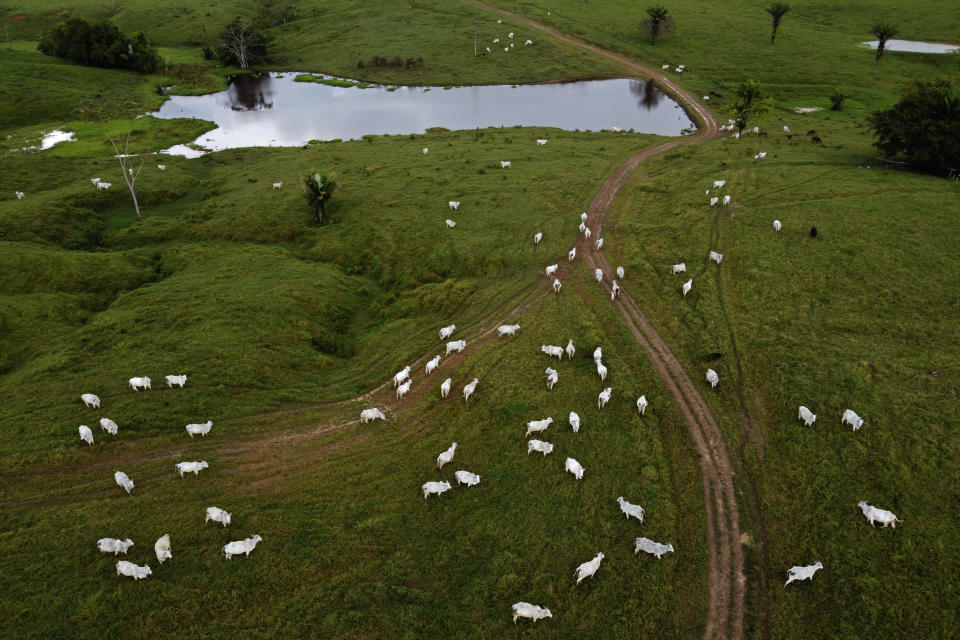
<point>726,579</point>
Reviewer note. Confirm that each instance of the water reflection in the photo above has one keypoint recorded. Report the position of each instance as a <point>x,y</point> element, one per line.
<point>648,92</point>
<point>250,92</point>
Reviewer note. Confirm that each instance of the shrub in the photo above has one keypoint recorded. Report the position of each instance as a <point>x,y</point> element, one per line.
<point>99,45</point>
<point>836,100</point>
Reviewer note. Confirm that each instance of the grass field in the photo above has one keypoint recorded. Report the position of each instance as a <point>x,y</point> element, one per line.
<point>279,324</point>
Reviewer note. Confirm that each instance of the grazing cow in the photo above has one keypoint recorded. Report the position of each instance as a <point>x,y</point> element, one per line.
<point>176,380</point>
<point>504,164</point>
<point>140,383</point>
<point>537,237</point>
<point>620,272</point>
<point>601,371</point>
<point>191,467</point>
<point>680,267</point>
<point>162,167</point>
<point>450,223</point>
<point>86,434</point>
<point>598,274</point>
<point>123,481</point>
<point>454,204</point>
<point>712,378</point>
<point>457,345</point>
<point>527,610</point>
<point>200,429</point>
<point>714,201</point>
<point>466,478</point>
<point>802,573</point>
<point>109,426</point>
<point>401,375</point>
<point>570,349</point>
<point>217,515</point>
<point>434,488</point>
<point>125,568</point>
<point>654,548</point>
<point>552,350</point>
<point>538,426</point>
<point>631,510</point>
<point>550,270</point>
<point>432,364</point>
<point>103,186</point>
<point>403,389</point>
<point>540,446</point>
<point>806,415</point>
<point>90,400</point>
<point>445,387</point>
<point>687,286</point>
<point>851,418</point>
<point>575,468</point>
<point>237,547</point>
<point>716,257</point>
<point>717,184</point>
<point>882,516</point>
<point>368,415</point>
<point>552,377</point>
<point>540,141</point>
<point>760,156</point>
<point>114,546</point>
<point>599,244</point>
<point>277,185</point>
<point>469,388</point>
<point>604,397</point>
<point>19,195</point>
<point>162,548</point>
<point>776,225</point>
<point>575,422</point>
<point>556,285</point>
<point>587,569</point>
<point>446,456</point>
<point>726,200</point>
<point>507,330</point>
<point>597,354</point>
<point>642,404</point>
<point>426,150</point>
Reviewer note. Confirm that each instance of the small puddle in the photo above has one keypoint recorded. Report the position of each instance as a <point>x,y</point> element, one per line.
<point>914,46</point>
<point>56,137</point>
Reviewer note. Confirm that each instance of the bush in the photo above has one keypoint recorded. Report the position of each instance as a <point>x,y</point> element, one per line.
<point>99,45</point>
<point>836,100</point>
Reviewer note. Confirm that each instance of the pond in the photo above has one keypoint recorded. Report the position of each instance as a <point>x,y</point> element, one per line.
<point>275,110</point>
<point>914,46</point>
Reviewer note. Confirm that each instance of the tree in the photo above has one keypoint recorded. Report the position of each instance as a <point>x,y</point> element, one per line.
<point>776,11</point>
<point>242,43</point>
<point>658,22</point>
<point>883,32</point>
<point>924,126</point>
<point>836,100</point>
<point>751,103</point>
<point>126,168</point>
<point>318,189</point>
<point>99,45</point>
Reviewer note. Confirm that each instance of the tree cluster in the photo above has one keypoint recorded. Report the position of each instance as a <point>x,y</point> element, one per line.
<point>100,45</point>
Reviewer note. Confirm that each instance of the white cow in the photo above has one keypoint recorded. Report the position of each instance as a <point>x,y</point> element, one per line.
<point>556,285</point>
<point>527,610</point>
<point>217,515</point>
<point>403,374</point>
<point>587,569</point>
<point>109,426</point>
<point>651,547</point>
<point>680,267</point>
<point>162,167</point>
<point>435,488</point>
<point>587,233</point>
<point>467,478</point>
<point>882,516</point>
<point>802,573</point>
<point>786,129</point>
<point>191,467</point>
<point>540,141</point>
<point>432,364</point>
<point>277,185</point>
<point>552,350</point>
<point>716,257</point>
<point>604,398</point>
<point>450,223</point>
<point>598,274</point>
<point>139,383</point>
<point>620,272</point>
<point>631,510</point>
<point>575,468</point>
<point>760,156</point>
<point>469,388</point>
<point>426,150</point>
<point>539,445</point>
<point>94,181</point>
<point>504,164</point>
<point>86,434</point>
<point>687,286</point>
<point>454,204</point>
<point>457,345</point>
<point>776,225</point>
<point>201,429</point>
<point>19,195</point>
<point>572,254</point>
<point>601,371</point>
<point>447,331</point>
<point>550,270</point>
<point>712,378</point>
<point>103,186</point>
<point>614,289</point>
<point>575,422</point>
<point>599,244</point>
<point>538,426</point>
<point>90,400</point>
<point>851,418</point>
<point>162,548</point>
<point>537,237</point>
<point>642,404</point>
<point>123,481</point>
<point>507,330</point>
<point>552,377</point>
<point>445,387</point>
<point>446,456</point>
<point>527,43</point>
<point>570,349</point>
<point>237,547</point>
<point>368,415</point>
<point>713,201</point>
<point>806,415</point>
<point>125,568</point>
<point>176,380</point>
<point>403,389</point>
<point>718,184</point>
<point>114,546</point>
<point>725,201</point>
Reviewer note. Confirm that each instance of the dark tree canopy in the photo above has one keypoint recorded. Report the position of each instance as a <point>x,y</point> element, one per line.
<point>99,45</point>
<point>924,126</point>
<point>883,32</point>
<point>658,23</point>
<point>242,44</point>
<point>776,10</point>
<point>750,104</point>
<point>318,189</point>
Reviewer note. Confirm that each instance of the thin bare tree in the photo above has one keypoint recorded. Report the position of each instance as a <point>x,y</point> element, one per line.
<point>129,175</point>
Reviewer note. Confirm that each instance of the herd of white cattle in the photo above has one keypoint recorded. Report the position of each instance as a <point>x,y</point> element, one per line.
<point>162,546</point>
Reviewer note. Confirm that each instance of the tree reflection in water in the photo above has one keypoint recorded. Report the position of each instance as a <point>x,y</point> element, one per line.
<point>648,92</point>
<point>251,92</point>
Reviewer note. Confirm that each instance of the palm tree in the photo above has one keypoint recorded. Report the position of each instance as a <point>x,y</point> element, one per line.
<point>318,188</point>
<point>751,103</point>
<point>883,32</point>
<point>658,22</point>
<point>776,11</point>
